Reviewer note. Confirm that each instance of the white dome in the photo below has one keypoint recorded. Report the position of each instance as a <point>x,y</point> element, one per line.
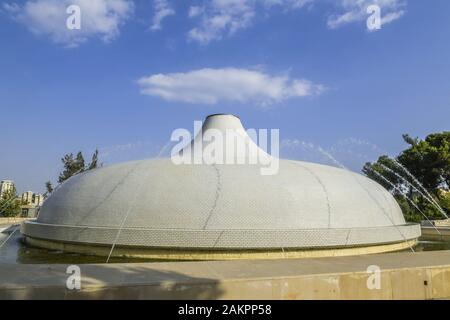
<point>158,204</point>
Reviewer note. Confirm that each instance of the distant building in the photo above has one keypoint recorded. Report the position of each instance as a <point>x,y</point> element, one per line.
<point>27,198</point>
<point>29,211</point>
<point>31,202</point>
<point>5,186</point>
<point>38,199</point>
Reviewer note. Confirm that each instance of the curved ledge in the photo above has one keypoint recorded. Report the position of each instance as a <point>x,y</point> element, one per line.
<point>186,255</point>
<point>222,239</point>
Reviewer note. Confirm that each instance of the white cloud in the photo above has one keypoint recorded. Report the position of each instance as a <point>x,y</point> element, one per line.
<point>220,18</point>
<point>391,16</point>
<point>292,4</point>
<point>99,18</point>
<point>213,20</point>
<point>225,17</point>
<point>210,86</point>
<point>195,11</point>
<point>162,10</point>
<point>355,10</point>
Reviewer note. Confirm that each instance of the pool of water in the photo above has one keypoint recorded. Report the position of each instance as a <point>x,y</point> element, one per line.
<point>432,245</point>
<point>16,252</point>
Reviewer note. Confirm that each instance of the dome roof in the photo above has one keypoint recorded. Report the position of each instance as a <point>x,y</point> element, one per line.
<point>156,203</point>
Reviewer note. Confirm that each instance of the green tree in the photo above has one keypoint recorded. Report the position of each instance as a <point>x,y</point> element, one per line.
<point>383,167</point>
<point>440,143</point>
<point>49,188</point>
<point>429,161</point>
<point>445,200</point>
<point>94,161</point>
<point>74,165</point>
<point>10,204</point>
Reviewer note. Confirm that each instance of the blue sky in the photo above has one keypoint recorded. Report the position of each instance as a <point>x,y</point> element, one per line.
<point>137,69</point>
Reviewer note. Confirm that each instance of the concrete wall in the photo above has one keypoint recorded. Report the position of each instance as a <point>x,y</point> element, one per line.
<point>12,220</point>
<point>424,275</point>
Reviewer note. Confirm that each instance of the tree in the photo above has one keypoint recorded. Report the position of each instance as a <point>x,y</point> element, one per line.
<point>412,141</point>
<point>10,204</point>
<point>49,188</point>
<point>445,200</point>
<point>382,170</point>
<point>94,161</point>
<point>428,161</point>
<point>440,142</point>
<point>73,166</point>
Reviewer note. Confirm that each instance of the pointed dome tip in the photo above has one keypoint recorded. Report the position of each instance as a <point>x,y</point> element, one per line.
<point>221,114</point>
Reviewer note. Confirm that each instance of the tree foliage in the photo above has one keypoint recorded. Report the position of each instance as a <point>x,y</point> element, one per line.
<point>428,161</point>
<point>94,161</point>
<point>74,165</point>
<point>382,172</point>
<point>48,188</point>
<point>10,204</point>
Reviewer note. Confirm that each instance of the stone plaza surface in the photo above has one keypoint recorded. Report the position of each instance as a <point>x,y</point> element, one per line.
<point>404,275</point>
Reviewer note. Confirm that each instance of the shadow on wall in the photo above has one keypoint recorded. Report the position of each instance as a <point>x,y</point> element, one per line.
<point>124,281</point>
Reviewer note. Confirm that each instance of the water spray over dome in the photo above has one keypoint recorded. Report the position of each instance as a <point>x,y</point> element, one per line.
<point>157,209</point>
